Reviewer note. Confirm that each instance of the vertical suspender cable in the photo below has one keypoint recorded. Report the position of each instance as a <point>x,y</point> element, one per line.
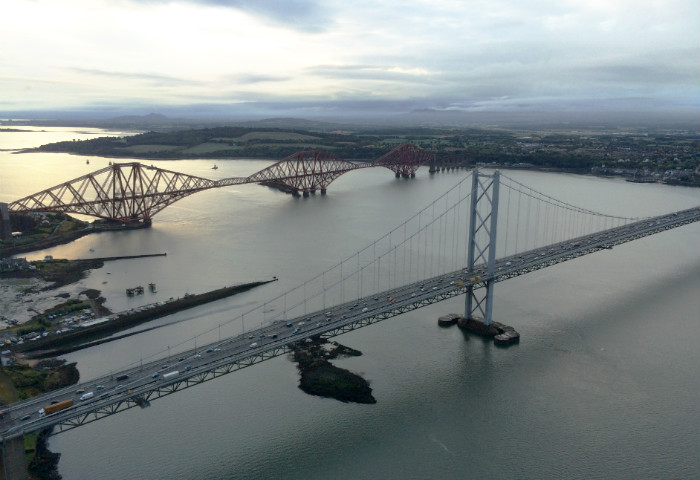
<point>505,251</point>
<point>517,224</point>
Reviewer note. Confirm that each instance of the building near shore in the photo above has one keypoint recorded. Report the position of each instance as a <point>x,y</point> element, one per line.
<point>13,264</point>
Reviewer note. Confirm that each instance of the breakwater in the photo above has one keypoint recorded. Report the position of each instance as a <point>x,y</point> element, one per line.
<point>126,257</point>
<point>120,321</point>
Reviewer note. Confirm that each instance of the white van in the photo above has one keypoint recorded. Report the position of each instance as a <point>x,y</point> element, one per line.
<point>87,396</point>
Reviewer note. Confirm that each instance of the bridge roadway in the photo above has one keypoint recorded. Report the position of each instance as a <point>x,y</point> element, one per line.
<point>139,385</point>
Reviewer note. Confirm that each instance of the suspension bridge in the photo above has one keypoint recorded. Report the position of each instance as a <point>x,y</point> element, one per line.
<point>486,229</point>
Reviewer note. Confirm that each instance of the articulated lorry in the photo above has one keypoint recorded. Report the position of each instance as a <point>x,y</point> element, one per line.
<point>55,407</point>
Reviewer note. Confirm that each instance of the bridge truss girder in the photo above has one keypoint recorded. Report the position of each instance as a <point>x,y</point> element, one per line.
<point>404,160</point>
<point>123,192</point>
<point>134,193</point>
<point>89,412</point>
<point>142,397</point>
<point>605,244</point>
<point>305,171</point>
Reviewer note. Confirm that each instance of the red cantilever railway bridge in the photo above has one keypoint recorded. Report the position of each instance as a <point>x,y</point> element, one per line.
<point>134,193</point>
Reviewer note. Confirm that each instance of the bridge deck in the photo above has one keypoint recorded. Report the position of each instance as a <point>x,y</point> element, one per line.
<point>112,395</point>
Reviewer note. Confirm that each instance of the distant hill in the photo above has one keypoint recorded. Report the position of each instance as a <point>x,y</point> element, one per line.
<point>160,122</point>
<point>296,123</point>
<point>150,119</point>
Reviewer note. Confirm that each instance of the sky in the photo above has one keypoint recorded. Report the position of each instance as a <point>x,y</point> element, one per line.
<point>327,55</point>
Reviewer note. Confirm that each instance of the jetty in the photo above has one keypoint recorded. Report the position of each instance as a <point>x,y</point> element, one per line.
<point>100,327</point>
<point>503,335</point>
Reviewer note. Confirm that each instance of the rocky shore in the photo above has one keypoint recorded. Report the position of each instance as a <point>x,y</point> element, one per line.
<point>321,378</point>
<point>8,249</point>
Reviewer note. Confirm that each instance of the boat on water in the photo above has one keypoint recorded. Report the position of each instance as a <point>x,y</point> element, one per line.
<point>87,162</point>
<point>214,167</point>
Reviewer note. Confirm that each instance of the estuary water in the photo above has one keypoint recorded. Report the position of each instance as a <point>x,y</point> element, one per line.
<point>604,383</point>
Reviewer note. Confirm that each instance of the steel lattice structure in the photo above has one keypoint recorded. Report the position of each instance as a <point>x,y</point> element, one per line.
<point>235,353</point>
<point>126,193</point>
<point>404,160</point>
<point>134,193</point>
<point>305,172</point>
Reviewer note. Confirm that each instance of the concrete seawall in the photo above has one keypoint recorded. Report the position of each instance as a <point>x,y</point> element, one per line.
<point>503,335</point>
<point>126,320</point>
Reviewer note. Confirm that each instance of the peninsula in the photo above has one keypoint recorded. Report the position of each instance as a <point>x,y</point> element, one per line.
<point>640,154</point>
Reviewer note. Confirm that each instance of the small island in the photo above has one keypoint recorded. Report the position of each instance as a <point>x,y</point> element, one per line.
<point>319,377</point>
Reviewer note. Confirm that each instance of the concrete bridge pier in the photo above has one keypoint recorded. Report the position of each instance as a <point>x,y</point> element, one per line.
<point>5,228</point>
<point>14,463</point>
<point>323,191</point>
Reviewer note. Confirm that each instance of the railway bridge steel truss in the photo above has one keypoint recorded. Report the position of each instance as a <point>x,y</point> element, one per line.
<point>132,193</point>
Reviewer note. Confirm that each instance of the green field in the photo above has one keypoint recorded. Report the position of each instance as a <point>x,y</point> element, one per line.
<point>206,148</point>
<point>671,158</point>
<point>137,149</point>
<point>276,136</point>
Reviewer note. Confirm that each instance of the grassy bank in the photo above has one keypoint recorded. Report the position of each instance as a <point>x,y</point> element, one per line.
<point>20,382</point>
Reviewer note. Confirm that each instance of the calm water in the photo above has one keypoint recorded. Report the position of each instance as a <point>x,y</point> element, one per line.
<point>604,383</point>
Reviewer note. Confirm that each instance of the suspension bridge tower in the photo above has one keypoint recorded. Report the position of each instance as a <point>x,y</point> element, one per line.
<point>482,242</point>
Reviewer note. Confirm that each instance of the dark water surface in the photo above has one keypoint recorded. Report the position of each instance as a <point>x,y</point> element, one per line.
<point>604,383</point>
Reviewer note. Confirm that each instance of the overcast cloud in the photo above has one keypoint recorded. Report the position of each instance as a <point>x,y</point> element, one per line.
<point>470,55</point>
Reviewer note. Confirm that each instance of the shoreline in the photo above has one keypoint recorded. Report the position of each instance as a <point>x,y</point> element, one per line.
<point>73,340</point>
<point>321,378</point>
<point>28,294</point>
<point>64,238</point>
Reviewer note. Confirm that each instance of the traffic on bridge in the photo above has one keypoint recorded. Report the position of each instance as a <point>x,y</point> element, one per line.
<point>137,386</point>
